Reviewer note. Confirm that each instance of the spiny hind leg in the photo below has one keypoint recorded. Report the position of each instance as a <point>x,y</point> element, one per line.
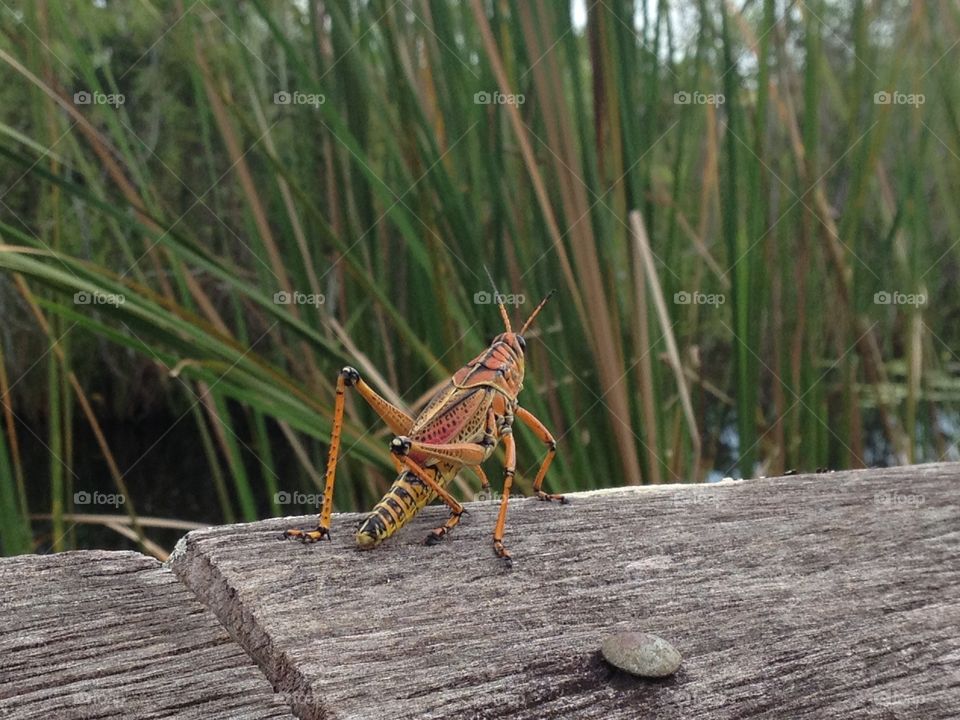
<point>398,420</point>
<point>540,430</point>
<point>471,454</point>
<point>400,447</point>
<point>322,530</point>
<point>437,535</point>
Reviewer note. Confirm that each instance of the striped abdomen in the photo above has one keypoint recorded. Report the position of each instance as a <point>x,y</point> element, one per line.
<point>405,498</point>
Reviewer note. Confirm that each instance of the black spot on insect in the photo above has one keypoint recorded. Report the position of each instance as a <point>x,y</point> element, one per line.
<point>395,504</point>
<point>374,526</point>
<point>522,343</point>
<point>403,495</point>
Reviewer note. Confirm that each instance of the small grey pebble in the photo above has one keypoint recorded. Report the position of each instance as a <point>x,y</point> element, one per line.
<point>641,654</point>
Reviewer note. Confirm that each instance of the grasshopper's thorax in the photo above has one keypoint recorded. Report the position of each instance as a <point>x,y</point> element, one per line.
<point>500,366</point>
<point>459,412</point>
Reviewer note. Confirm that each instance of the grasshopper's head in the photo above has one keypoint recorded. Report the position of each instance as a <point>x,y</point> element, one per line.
<point>509,347</point>
<point>501,365</point>
<point>514,341</point>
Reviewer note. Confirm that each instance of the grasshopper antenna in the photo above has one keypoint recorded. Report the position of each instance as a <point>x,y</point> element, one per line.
<point>499,299</point>
<point>536,311</point>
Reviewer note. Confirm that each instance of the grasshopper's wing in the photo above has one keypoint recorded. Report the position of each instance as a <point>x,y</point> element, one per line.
<point>455,414</point>
<point>458,412</point>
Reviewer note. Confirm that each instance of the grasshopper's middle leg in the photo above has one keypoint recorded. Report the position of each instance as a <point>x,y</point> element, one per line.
<point>396,419</point>
<point>509,471</point>
<point>484,480</point>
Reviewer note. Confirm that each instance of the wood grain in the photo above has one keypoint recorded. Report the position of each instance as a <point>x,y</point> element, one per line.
<point>820,596</point>
<point>115,635</point>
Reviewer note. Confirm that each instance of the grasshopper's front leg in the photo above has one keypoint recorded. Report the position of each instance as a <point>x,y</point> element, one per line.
<point>531,421</point>
<point>398,420</point>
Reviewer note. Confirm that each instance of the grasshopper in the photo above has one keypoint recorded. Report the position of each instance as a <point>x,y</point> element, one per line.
<point>460,427</point>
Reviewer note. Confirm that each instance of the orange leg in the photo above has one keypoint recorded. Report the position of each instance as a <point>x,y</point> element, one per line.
<point>439,533</point>
<point>399,449</point>
<point>398,420</point>
<point>491,429</point>
<point>484,481</point>
<point>469,454</point>
<point>463,453</point>
<point>508,473</point>
<point>530,420</point>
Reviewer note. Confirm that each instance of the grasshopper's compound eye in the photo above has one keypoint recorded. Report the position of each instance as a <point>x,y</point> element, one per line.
<point>522,343</point>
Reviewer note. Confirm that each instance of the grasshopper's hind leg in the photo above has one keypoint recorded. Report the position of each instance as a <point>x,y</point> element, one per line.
<point>398,420</point>
<point>470,454</point>
<point>438,534</point>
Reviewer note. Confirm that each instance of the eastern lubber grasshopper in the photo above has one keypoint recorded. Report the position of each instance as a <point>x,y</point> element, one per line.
<point>460,427</point>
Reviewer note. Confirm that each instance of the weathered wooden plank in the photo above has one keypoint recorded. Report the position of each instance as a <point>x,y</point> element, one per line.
<point>804,597</point>
<point>115,635</point>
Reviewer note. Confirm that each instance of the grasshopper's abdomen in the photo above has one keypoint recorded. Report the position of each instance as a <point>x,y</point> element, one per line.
<point>405,498</point>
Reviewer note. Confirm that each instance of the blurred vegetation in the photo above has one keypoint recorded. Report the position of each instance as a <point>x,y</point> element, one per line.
<point>780,299</point>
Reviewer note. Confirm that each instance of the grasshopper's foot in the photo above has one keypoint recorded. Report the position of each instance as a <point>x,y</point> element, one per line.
<point>547,497</point>
<point>435,536</point>
<point>305,535</point>
<point>503,554</point>
<point>441,532</point>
